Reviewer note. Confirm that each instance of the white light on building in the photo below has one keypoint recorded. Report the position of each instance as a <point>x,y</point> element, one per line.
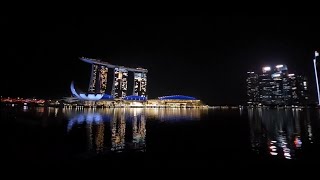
<point>276,75</point>
<point>267,68</point>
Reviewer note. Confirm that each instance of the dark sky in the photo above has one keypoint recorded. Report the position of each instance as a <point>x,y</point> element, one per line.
<point>201,56</point>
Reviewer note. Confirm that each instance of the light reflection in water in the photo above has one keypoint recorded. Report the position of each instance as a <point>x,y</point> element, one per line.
<point>25,108</point>
<point>100,138</point>
<point>118,130</point>
<point>174,114</point>
<point>278,131</point>
<point>139,131</point>
<point>107,129</point>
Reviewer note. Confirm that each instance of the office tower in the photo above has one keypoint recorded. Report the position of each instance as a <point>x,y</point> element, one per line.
<point>266,86</point>
<point>276,87</point>
<point>302,90</point>
<point>252,88</point>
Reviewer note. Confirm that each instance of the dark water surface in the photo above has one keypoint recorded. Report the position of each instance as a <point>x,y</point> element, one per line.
<point>160,137</point>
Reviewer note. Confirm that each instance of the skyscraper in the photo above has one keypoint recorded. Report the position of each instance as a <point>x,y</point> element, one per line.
<point>252,88</point>
<point>98,81</point>
<point>120,83</point>
<point>93,79</point>
<point>98,85</point>
<point>103,75</point>
<point>275,86</point>
<point>265,86</point>
<point>302,90</point>
<point>140,84</point>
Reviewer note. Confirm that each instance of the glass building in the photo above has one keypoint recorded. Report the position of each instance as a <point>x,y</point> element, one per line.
<point>266,87</point>
<point>252,88</point>
<point>301,90</point>
<point>275,86</point>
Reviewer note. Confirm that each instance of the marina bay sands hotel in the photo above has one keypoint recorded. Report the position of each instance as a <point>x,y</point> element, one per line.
<point>118,94</point>
<point>99,77</point>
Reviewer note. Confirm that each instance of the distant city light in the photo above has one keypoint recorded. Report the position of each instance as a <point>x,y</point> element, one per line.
<point>279,66</point>
<point>276,75</point>
<point>297,142</point>
<point>267,68</point>
<point>275,80</point>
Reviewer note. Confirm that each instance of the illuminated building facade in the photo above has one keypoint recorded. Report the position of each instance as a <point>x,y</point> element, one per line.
<point>275,86</point>
<point>98,82</point>
<point>265,87</point>
<point>176,101</point>
<point>252,87</point>
<point>119,95</point>
<point>103,75</point>
<point>93,79</point>
<point>120,85</point>
<point>301,90</point>
<point>140,84</point>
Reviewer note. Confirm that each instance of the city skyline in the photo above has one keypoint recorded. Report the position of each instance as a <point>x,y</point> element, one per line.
<point>277,86</point>
<point>204,57</point>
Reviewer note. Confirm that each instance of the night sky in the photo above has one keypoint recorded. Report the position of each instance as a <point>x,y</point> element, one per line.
<point>204,57</point>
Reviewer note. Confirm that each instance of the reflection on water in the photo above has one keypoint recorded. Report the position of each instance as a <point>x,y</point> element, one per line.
<point>279,132</point>
<point>174,114</point>
<point>121,129</point>
<point>118,129</point>
<point>139,130</point>
<point>82,133</point>
<point>109,123</point>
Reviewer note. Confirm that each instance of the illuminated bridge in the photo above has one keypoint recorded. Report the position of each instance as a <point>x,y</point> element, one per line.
<point>98,82</point>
